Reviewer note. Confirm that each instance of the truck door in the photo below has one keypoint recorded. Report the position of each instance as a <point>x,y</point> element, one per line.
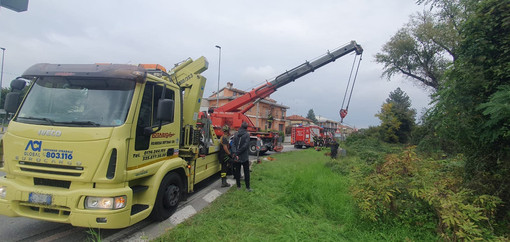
<point>150,148</point>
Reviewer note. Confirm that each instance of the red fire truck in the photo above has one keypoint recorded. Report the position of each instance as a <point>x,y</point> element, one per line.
<point>306,136</point>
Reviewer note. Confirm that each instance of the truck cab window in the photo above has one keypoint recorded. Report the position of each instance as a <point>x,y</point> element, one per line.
<point>77,102</point>
<point>148,112</point>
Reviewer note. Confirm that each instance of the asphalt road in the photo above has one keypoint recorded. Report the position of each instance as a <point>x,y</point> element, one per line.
<point>26,229</point>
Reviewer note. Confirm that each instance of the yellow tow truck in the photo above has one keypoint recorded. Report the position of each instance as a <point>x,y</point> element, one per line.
<point>105,145</point>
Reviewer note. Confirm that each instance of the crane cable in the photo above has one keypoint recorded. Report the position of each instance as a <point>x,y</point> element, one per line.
<point>343,112</point>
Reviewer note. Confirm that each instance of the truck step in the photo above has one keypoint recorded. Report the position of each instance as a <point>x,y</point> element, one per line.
<point>139,188</point>
<point>136,208</point>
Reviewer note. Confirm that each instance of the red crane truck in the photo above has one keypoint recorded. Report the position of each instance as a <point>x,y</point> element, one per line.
<point>232,115</point>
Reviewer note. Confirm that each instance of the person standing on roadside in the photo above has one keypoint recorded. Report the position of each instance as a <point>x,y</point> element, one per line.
<point>240,152</point>
<point>225,155</point>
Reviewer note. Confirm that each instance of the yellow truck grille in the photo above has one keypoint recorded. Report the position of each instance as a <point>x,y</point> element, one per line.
<point>51,183</point>
<point>54,169</point>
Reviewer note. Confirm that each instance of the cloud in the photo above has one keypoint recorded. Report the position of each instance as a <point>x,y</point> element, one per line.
<point>258,75</point>
<point>259,40</point>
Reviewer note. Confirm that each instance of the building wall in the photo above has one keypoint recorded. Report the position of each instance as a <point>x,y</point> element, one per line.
<point>259,115</point>
<point>298,122</point>
<point>329,124</point>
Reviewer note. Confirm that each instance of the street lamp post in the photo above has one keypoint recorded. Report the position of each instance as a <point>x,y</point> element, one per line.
<point>1,81</point>
<point>2,73</point>
<point>219,69</point>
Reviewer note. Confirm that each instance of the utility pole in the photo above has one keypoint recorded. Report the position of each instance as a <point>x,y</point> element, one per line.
<point>1,81</point>
<point>2,73</point>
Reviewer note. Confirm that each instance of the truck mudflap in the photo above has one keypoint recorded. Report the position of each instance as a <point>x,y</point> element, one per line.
<point>66,206</point>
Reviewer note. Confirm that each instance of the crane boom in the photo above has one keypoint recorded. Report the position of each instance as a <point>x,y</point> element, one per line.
<point>285,78</point>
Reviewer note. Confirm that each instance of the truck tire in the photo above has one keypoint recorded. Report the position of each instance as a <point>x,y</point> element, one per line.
<point>298,146</point>
<point>252,148</point>
<point>168,197</point>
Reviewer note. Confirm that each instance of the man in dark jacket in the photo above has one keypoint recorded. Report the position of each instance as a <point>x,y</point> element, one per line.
<point>224,155</point>
<point>240,151</point>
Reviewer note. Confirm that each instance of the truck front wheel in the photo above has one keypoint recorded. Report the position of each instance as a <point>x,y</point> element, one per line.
<point>167,200</point>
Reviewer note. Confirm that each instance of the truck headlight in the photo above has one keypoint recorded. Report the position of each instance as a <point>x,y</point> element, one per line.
<point>3,192</point>
<point>105,202</point>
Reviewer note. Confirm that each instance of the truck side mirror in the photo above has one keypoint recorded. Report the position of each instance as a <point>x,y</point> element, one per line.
<point>18,84</point>
<point>12,102</point>
<point>12,99</point>
<point>165,110</point>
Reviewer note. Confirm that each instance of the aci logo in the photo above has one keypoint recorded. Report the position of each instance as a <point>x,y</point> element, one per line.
<point>34,145</point>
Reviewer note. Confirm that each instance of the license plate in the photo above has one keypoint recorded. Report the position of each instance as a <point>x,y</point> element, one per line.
<point>39,198</point>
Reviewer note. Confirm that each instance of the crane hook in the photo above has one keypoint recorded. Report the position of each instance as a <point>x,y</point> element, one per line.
<point>343,113</point>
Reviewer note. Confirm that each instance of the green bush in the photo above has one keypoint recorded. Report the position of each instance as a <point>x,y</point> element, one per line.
<point>377,194</point>
<point>424,192</point>
<point>371,157</point>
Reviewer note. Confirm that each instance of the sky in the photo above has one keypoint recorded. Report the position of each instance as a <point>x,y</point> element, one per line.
<point>259,40</point>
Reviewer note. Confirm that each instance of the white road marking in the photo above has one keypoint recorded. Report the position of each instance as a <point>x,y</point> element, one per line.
<point>182,215</point>
<point>212,195</point>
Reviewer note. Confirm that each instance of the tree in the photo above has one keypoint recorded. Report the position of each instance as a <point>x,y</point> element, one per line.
<point>471,108</point>
<point>4,91</point>
<point>427,45</point>
<point>397,117</point>
<point>404,113</point>
<point>311,116</point>
<point>389,123</point>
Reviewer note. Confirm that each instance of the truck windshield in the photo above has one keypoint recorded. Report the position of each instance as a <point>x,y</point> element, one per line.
<point>73,101</point>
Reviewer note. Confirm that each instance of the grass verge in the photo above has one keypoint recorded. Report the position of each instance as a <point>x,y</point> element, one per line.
<point>296,197</point>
